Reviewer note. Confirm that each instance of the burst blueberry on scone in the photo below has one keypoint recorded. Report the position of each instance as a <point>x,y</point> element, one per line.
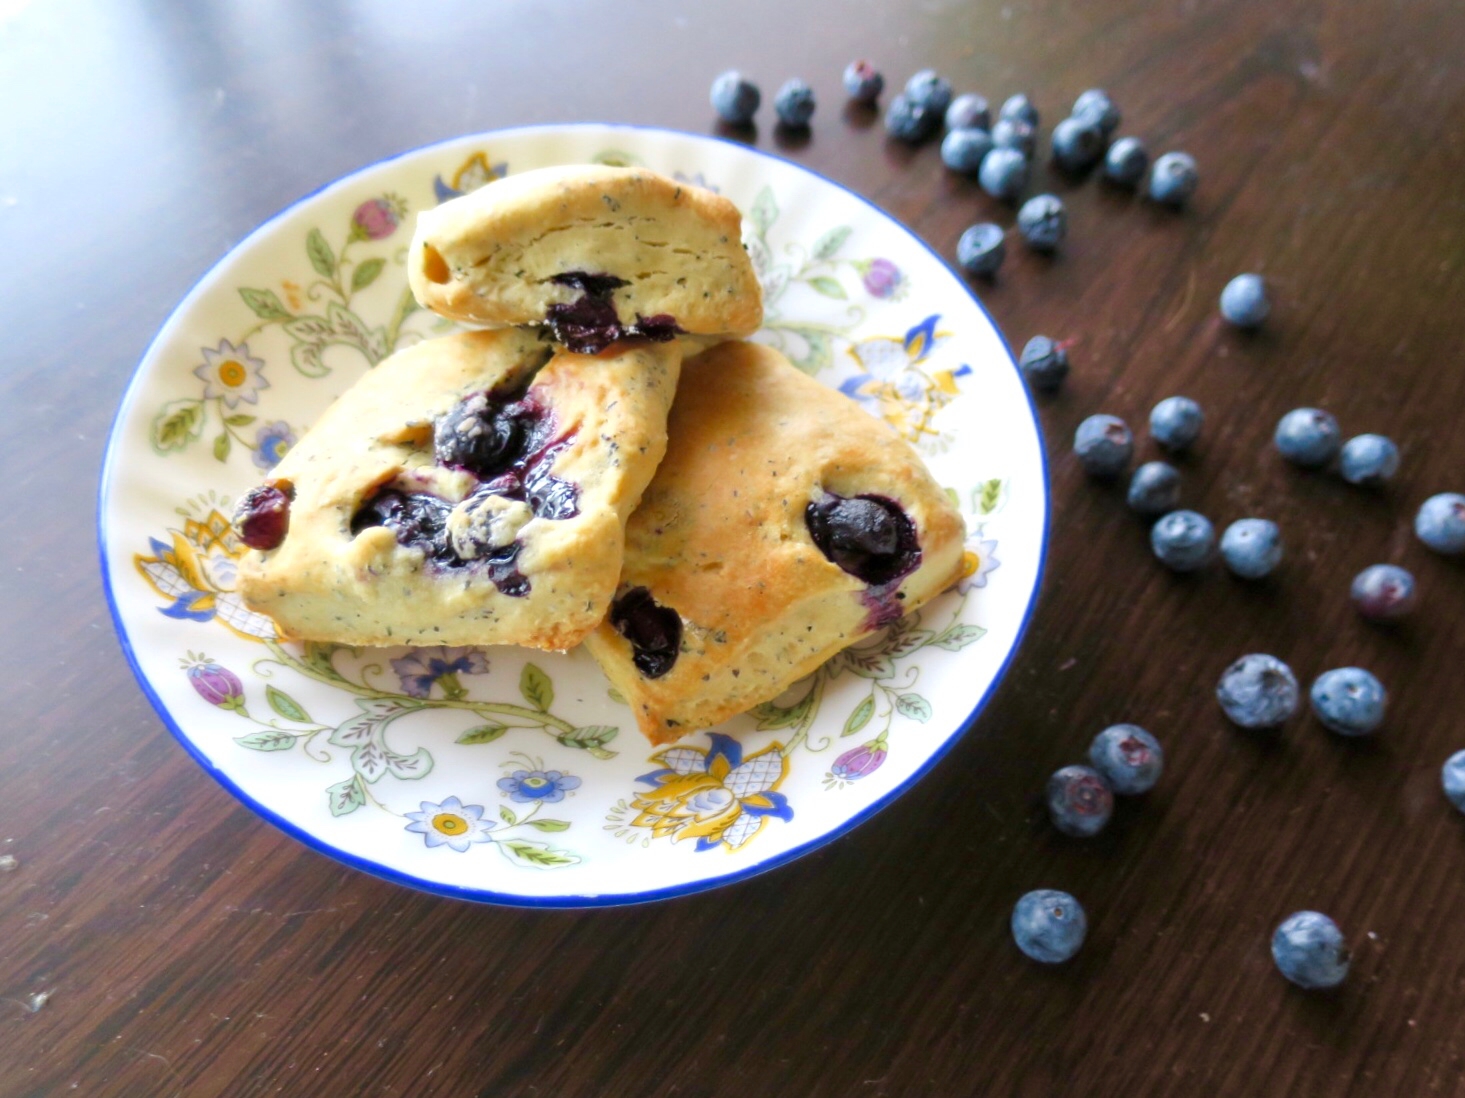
<point>472,489</point>
<point>783,525</point>
<point>590,252</point>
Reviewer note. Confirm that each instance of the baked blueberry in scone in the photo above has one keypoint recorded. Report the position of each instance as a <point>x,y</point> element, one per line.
<point>591,252</point>
<point>472,489</point>
<point>784,524</point>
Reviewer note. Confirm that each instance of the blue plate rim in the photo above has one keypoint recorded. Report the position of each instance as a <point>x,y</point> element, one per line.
<point>583,901</point>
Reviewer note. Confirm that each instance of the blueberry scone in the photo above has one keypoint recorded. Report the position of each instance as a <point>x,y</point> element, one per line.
<point>784,524</point>
<point>472,489</point>
<point>593,253</point>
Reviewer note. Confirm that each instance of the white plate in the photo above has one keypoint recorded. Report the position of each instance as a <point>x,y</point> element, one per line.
<point>514,776</point>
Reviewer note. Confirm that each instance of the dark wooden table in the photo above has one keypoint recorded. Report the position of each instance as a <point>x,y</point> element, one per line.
<point>156,938</point>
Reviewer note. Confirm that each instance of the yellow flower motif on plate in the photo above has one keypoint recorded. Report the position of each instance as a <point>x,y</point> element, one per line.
<point>716,797</point>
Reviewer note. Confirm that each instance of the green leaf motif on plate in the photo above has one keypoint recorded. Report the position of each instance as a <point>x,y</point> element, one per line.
<point>321,256</point>
<point>548,825</point>
<point>764,211</point>
<point>591,736</point>
<point>264,303</point>
<point>537,855</point>
<point>988,494</point>
<point>365,274</point>
<point>831,242</point>
<point>283,704</point>
<point>266,741</point>
<point>829,287</point>
<point>345,797</point>
<point>484,733</point>
<point>537,688</point>
<point>239,420</point>
<point>959,636</point>
<point>507,815</point>
<point>221,447</point>
<point>860,717</point>
<point>914,706</point>
<point>178,424</point>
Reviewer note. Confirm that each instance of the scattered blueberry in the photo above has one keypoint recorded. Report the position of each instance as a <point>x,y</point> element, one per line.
<point>1244,301</point>
<point>1307,437</point>
<point>1368,459</point>
<point>1126,162</point>
<point>862,83</point>
<point>1183,540</point>
<point>930,91</point>
<point>969,112</point>
<point>734,98</point>
<point>1175,422</point>
<point>1440,523</point>
<point>1043,222</point>
<point>1453,778</point>
<point>794,103</point>
<point>909,120</point>
<point>1252,547</point>
<point>1095,106</point>
<point>1049,926</point>
<point>1128,757</point>
<point>1080,801</point>
<point>1077,144</point>
<point>654,631</point>
<point>963,150</point>
<point>1173,179</point>
<point>1104,445</point>
<point>1014,133</point>
<point>1155,488</point>
<point>1004,173</point>
<point>980,250</point>
<point>1349,700</point>
<point>1019,107</point>
<point>1044,363</point>
<point>1383,592</point>
<point>262,517</point>
<point>1258,691</point>
<point>1309,950</point>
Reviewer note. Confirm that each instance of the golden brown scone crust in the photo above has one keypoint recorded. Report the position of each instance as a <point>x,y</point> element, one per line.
<point>323,584</point>
<point>721,538</point>
<point>486,258</point>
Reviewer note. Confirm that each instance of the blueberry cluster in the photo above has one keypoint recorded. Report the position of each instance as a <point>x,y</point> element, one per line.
<point>736,99</point>
<point>1123,759</point>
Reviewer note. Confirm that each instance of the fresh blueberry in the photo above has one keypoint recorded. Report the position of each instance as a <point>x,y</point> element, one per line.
<point>1129,758</point>
<point>930,91</point>
<point>1155,488</point>
<point>980,250</point>
<point>1014,133</point>
<point>1126,161</point>
<point>1004,173</point>
<point>1349,700</point>
<point>1440,523</point>
<point>909,120</point>
<point>1309,950</point>
<point>1383,592</point>
<point>794,104</point>
<point>862,83</point>
<point>870,537</point>
<point>1104,445</point>
<point>1049,926</point>
<point>262,517</point>
<point>1258,691</point>
<point>1453,778</point>
<point>1019,107</point>
<point>969,112</point>
<point>734,98</point>
<point>1173,179</point>
<point>1183,540</point>
<point>1080,801</point>
<point>1252,547</point>
<point>1077,144</point>
<point>963,150</point>
<point>1307,437</point>
<point>1044,363</point>
<point>1043,221</point>
<point>1244,301</point>
<point>1175,423</point>
<point>1368,459</point>
<point>654,631</point>
<point>1095,106</point>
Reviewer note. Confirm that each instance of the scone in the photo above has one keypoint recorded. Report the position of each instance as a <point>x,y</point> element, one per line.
<point>784,524</point>
<point>472,489</point>
<point>593,252</point>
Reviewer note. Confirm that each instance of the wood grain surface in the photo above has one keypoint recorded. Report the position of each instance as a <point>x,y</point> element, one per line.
<point>156,938</point>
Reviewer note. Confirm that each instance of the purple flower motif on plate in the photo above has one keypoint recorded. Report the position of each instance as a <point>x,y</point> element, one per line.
<point>452,824</point>
<point>883,279</point>
<point>428,667</point>
<point>377,218</point>
<point>545,786</point>
<point>216,684</point>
